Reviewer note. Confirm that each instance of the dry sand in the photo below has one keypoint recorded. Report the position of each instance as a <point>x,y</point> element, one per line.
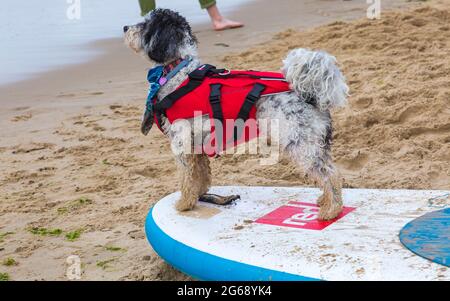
<point>74,159</point>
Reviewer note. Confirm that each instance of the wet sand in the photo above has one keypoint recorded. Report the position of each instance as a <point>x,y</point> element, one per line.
<point>73,158</point>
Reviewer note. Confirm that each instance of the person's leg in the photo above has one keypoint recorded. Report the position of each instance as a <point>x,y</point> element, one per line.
<point>217,20</point>
<point>146,6</point>
<point>206,3</point>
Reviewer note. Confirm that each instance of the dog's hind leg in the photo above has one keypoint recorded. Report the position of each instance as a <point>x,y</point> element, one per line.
<point>326,174</point>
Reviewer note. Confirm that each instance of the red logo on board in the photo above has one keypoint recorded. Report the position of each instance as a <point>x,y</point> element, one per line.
<point>299,215</point>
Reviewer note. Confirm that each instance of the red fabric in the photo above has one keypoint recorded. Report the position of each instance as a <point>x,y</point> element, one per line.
<point>233,93</point>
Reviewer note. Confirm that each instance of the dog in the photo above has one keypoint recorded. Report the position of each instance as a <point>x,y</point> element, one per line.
<point>317,86</point>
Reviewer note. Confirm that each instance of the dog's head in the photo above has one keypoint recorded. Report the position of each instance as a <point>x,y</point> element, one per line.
<point>163,37</point>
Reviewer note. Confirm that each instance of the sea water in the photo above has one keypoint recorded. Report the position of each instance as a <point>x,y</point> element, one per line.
<point>41,35</point>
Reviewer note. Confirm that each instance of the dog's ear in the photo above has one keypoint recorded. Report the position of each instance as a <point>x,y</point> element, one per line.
<point>165,34</point>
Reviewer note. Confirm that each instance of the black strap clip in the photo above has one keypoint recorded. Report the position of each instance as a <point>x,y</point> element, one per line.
<point>214,96</point>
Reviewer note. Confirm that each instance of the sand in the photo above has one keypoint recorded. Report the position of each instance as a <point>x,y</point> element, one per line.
<point>396,131</point>
<point>73,159</point>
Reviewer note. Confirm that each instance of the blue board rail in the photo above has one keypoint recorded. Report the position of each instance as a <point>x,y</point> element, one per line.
<point>197,264</point>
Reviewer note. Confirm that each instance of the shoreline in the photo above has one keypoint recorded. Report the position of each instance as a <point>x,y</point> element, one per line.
<point>58,40</point>
<point>113,59</point>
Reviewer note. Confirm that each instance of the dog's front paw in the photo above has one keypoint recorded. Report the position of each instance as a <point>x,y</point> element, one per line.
<point>330,212</point>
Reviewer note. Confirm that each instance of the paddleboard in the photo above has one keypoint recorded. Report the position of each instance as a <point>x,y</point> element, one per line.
<point>273,233</point>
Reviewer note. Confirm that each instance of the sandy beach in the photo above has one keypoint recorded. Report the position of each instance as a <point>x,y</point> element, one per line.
<point>78,178</point>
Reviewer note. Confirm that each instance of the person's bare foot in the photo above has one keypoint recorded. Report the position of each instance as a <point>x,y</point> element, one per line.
<point>223,24</point>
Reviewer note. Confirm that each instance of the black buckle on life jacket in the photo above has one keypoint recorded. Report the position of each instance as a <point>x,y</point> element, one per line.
<point>253,96</point>
<point>214,95</point>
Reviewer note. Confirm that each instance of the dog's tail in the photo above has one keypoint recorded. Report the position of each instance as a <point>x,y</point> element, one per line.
<point>314,76</point>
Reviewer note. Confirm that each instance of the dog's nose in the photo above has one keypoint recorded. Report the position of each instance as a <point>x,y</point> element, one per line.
<point>125,28</point>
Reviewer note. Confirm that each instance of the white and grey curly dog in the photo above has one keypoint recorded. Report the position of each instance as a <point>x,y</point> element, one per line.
<point>305,127</point>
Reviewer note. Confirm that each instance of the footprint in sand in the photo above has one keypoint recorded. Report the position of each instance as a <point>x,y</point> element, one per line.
<point>92,125</point>
<point>68,95</point>
<point>147,172</point>
<point>21,108</point>
<point>354,161</point>
<point>98,128</point>
<point>32,148</point>
<point>221,45</point>
<point>63,95</point>
<point>24,117</point>
<point>409,113</point>
<point>136,234</point>
<point>363,102</point>
<point>417,131</point>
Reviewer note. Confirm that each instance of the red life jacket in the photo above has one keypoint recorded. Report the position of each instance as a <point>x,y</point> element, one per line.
<point>225,96</point>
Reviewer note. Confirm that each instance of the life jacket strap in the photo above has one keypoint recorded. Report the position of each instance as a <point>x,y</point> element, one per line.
<point>214,100</point>
<point>217,113</point>
<point>170,99</point>
<point>196,78</point>
<point>250,100</point>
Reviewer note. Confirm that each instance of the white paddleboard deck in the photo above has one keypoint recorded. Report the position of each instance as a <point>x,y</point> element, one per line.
<point>274,234</point>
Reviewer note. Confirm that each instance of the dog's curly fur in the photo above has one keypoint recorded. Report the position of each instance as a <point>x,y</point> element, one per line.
<point>303,114</point>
